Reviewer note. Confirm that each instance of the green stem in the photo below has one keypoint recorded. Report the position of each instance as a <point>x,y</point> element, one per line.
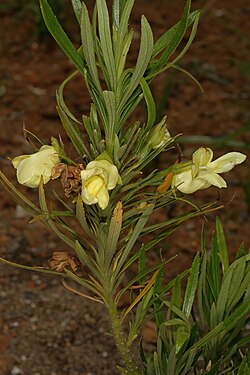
<point>131,367</point>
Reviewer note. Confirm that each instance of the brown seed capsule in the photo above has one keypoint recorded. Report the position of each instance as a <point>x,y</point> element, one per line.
<point>61,260</point>
<point>70,177</point>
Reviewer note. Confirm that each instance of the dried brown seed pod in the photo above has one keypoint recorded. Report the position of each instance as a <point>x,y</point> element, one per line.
<point>61,260</point>
<point>70,177</point>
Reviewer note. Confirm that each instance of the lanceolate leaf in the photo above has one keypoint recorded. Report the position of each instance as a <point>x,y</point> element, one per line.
<point>122,30</point>
<point>176,37</point>
<point>191,286</point>
<point>60,36</point>
<point>109,99</point>
<point>86,260</point>
<point>144,56</point>
<point>77,6</point>
<point>60,99</point>
<point>89,47</point>
<point>114,233</point>
<point>49,221</point>
<point>116,12</point>
<point>222,246</point>
<point>106,43</point>
<point>72,129</point>
<point>189,42</point>
<point>151,107</point>
<point>133,237</point>
<point>164,41</point>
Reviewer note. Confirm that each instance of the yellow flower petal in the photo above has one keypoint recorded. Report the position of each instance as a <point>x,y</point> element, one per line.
<point>30,168</point>
<point>226,162</point>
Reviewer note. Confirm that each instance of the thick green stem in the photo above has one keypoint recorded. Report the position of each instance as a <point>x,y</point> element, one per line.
<point>131,367</point>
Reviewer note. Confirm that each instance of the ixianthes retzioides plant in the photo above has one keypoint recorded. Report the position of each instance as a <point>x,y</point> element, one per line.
<point>107,201</point>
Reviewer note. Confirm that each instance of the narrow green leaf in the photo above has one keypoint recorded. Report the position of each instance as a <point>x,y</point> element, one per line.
<point>60,36</point>
<point>232,321</point>
<point>151,107</point>
<point>223,295</point>
<point>177,67</point>
<point>49,221</point>
<point>33,268</point>
<point>173,37</point>
<point>214,274</point>
<point>222,246</point>
<point>172,362</point>
<point>133,237</point>
<point>77,6</point>
<point>72,129</point>
<point>156,365</point>
<point>241,252</point>
<point>238,276</point>
<point>244,368</point>
<point>86,260</point>
<point>116,11</point>
<point>113,233</point>
<point>110,101</point>
<point>191,286</point>
<point>60,99</point>
<point>106,42</point>
<point>120,64</point>
<point>203,305</point>
<point>93,287</point>
<point>144,56</point>
<point>168,36</point>
<point>159,68</point>
<point>122,31</point>
<point>91,134</point>
<point>177,312</point>
<point>189,362</point>
<point>81,217</point>
<point>208,337</point>
<point>142,264</point>
<point>176,294</point>
<point>89,48</point>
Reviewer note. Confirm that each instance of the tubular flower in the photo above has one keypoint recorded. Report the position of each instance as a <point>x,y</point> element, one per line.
<point>202,172</point>
<point>30,168</point>
<point>98,177</point>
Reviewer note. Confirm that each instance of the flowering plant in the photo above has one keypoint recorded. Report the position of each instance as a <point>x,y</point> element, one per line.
<point>107,194</point>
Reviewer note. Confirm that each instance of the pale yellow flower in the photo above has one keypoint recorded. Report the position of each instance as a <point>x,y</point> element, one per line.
<point>202,172</point>
<point>98,177</point>
<point>30,168</point>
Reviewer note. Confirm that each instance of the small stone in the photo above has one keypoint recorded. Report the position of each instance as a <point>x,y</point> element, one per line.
<point>16,370</point>
<point>14,324</point>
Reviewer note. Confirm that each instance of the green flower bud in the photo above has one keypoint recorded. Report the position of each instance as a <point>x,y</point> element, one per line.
<point>159,135</point>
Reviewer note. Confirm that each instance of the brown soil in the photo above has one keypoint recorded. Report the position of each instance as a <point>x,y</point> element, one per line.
<point>45,330</point>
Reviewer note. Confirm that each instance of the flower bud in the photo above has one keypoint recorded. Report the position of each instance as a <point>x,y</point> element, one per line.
<point>159,134</point>
<point>30,168</point>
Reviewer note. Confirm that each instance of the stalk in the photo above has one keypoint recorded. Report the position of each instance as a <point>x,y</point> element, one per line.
<point>131,367</point>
